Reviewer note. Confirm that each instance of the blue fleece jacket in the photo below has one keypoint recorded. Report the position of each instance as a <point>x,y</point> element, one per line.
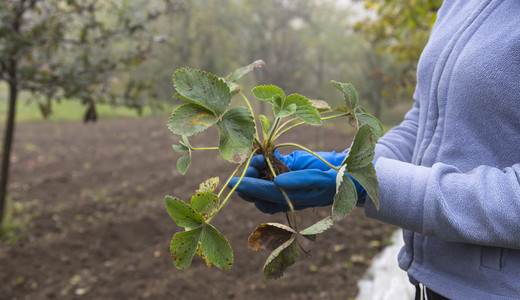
<point>449,174</point>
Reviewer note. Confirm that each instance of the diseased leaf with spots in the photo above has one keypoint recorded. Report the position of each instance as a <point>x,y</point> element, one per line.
<point>269,236</point>
<point>281,258</point>
<point>318,227</point>
<point>182,213</point>
<point>238,73</point>
<point>190,119</point>
<point>199,253</point>
<point>216,248</point>
<point>361,153</point>
<point>237,131</point>
<point>183,246</point>
<point>210,185</point>
<point>202,88</point>
<point>366,176</point>
<point>305,111</point>
<point>204,202</point>
<point>363,117</point>
<point>267,92</point>
<point>349,92</point>
<point>346,195</point>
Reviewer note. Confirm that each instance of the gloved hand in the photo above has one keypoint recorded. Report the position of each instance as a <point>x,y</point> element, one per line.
<point>311,183</point>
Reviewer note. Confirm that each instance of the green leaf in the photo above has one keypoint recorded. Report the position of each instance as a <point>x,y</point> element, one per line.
<point>269,236</point>
<point>237,131</point>
<point>180,148</point>
<point>184,162</point>
<point>202,88</point>
<point>281,258</point>
<point>265,124</point>
<point>204,202</point>
<point>238,73</point>
<point>216,248</point>
<point>190,119</point>
<point>367,178</point>
<point>318,227</point>
<point>361,153</point>
<point>183,247</point>
<point>185,141</point>
<point>182,213</point>
<point>210,185</point>
<point>346,195</point>
<point>349,92</point>
<point>280,109</point>
<point>363,117</point>
<point>305,110</point>
<point>267,92</point>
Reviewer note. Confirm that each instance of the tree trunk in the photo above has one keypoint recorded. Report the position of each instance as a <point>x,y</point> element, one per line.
<point>7,145</point>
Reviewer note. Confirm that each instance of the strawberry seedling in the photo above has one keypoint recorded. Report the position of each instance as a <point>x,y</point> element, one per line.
<point>206,102</point>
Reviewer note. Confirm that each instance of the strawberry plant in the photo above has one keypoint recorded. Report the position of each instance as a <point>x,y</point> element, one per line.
<point>206,102</point>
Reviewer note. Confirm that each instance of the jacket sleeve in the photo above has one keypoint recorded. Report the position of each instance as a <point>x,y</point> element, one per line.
<point>399,142</point>
<point>486,209</point>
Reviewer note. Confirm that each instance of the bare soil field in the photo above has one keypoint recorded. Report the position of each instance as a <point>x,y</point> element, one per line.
<point>92,197</point>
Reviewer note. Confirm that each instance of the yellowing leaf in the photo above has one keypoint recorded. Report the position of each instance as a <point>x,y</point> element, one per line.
<point>269,236</point>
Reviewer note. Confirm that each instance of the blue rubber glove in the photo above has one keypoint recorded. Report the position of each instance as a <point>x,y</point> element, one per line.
<point>311,183</point>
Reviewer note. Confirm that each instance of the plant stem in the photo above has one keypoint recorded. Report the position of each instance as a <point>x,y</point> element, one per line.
<point>276,122</point>
<point>229,179</point>
<point>310,151</point>
<point>259,144</point>
<point>291,207</point>
<point>204,148</point>
<point>234,187</point>
<point>293,126</point>
<point>285,124</point>
<point>247,102</point>
<point>303,123</point>
<point>336,116</point>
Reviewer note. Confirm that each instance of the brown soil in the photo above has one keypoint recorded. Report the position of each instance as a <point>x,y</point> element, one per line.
<point>278,166</point>
<point>93,199</point>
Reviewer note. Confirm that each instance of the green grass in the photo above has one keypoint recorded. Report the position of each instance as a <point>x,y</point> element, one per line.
<point>16,229</point>
<point>69,111</point>
<point>66,110</point>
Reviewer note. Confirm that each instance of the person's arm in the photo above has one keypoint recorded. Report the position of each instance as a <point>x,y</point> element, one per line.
<point>481,206</point>
<point>399,142</point>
